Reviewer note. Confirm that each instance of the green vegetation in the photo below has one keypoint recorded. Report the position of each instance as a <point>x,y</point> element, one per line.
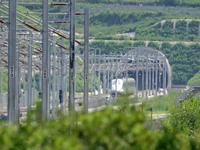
<point>195,79</point>
<point>106,129</point>
<point>146,25</point>
<point>110,47</point>
<point>181,57</point>
<point>4,80</point>
<point>167,32</point>
<point>139,44</point>
<point>186,3</point>
<point>124,128</point>
<point>162,102</point>
<point>153,45</point>
<point>106,24</point>
<point>185,116</point>
<point>180,31</point>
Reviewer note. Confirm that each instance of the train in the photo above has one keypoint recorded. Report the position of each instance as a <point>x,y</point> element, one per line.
<point>123,86</point>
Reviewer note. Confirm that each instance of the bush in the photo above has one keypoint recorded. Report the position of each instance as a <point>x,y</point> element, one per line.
<point>121,128</point>
<point>180,31</point>
<point>139,44</point>
<point>107,129</point>
<point>184,116</point>
<point>167,29</point>
<point>153,45</point>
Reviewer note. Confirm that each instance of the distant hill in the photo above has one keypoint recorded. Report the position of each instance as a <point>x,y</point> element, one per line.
<point>185,3</point>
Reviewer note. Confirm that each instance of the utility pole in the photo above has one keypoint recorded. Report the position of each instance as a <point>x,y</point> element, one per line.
<point>149,78</point>
<point>147,59</point>
<point>17,75</point>
<point>54,77</point>
<point>49,79</point>
<point>92,72</point>
<point>12,62</point>
<point>116,76</point>
<point>33,100</point>
<point>104,75</point>
<point>24,89</point>
<point>86,60</point>
<point>45,49</point>
<point>99,69</point>
<point>156,73</point>
<point>58,80</point>
<point>137,61</point>
<point>62,74</point>
<point>164,76</point>
<point>108,79</point>
<point>153,82</point>
<point>143,78</point>
<point>1,83</point>
<point>29,92</point>
<point>72,57</point>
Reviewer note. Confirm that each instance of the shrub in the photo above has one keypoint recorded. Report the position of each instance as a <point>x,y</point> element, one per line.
<point>185,116</point>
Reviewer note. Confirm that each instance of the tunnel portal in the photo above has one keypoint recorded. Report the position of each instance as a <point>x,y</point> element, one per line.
<point>149,67</point>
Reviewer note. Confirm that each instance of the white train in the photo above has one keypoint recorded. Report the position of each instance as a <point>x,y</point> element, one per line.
<point>123,86</point>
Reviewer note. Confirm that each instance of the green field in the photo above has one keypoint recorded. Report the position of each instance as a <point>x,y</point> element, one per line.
<point>161,103</point>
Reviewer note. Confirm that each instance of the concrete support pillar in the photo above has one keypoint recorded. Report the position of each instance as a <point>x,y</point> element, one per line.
<point>104,75</point>
<point>86,60</point>
<point>58,80</point>
<point>92,72</point>
<point>24,89</point>
<point>112,67</point>
<point>153,77</point>
<point>108,77</point>
<point>137,72</point>
<point>45,55</point>
<point>54,78</point>
<point>1,99</point>
<point>150,78</point>
<point>156,74</point>
<point>143,68</point>
<point>116,77</point>
<point>99,70</point>
<point>165,76</point>
<point>147,77</point>
<point>71,103</point>
<point>12,63</point>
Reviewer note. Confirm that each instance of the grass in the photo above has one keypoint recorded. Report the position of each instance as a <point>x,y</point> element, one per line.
<point>155,112</point>
<point>162,102</point>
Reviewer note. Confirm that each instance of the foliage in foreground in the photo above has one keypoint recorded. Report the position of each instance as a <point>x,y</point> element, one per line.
<point>106,129</point>
<point>122,128</point>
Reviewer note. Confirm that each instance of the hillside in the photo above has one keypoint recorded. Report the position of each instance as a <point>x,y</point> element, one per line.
<point>195,79</point>
<point>186,3</point>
